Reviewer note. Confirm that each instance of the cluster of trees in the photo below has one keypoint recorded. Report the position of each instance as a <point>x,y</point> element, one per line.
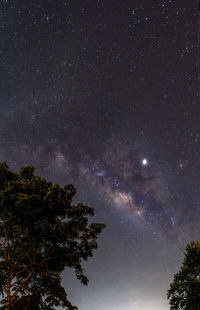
<point>184,292</point>
<point>42,233</point>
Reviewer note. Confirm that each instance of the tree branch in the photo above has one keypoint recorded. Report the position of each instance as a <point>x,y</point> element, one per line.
<point>21,285</point>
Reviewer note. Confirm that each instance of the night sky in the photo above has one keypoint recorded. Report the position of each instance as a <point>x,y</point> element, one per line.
<point>104,94</point>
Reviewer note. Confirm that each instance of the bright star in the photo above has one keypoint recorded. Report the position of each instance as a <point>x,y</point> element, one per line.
<point>144,162</point>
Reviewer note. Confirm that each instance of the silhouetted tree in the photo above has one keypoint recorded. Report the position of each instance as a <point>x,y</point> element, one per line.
<point>184,292</point>
<point>41,233</point>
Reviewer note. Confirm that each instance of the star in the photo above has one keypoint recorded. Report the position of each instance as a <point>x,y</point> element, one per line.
<point>144,162</point>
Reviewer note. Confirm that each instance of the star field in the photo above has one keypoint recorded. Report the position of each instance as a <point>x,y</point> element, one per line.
<point>105,95</point>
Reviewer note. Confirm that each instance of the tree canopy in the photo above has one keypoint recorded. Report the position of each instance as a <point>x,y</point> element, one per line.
<point>184,292</point>
<point>41,233</point>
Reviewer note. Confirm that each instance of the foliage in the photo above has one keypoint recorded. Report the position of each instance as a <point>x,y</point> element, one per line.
<point>41,233</point>
<point>184,292</point>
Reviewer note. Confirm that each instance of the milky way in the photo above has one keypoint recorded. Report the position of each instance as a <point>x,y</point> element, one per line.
<point>89,90</point>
